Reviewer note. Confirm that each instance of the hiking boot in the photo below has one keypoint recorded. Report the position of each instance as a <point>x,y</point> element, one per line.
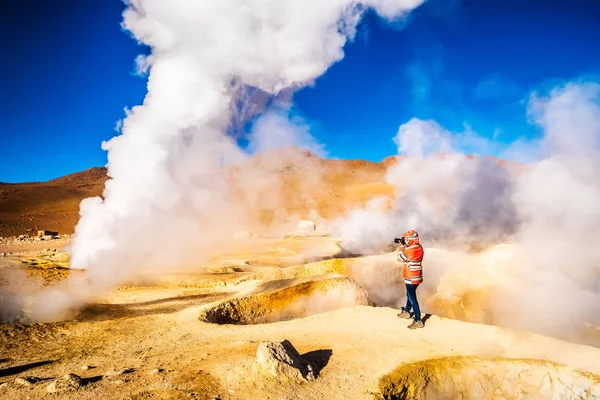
<point>416,324</point>
<point>404,314</point>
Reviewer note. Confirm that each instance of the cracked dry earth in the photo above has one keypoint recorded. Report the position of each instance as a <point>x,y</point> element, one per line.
<point>151,342</point>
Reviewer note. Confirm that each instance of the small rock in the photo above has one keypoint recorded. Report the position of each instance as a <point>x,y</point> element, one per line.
<point>155,371</point>
<point>3,254</point>
<point>3,385</point>
<point>67,382</point>
<point>305,228</point>
<point>282,359</point>
<point>114,372</point>
<point>26,380</point>
<point>53,387</point>
<point>87,367</point>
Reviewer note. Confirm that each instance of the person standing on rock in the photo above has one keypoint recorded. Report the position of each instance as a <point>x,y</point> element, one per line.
<point>410,253</point>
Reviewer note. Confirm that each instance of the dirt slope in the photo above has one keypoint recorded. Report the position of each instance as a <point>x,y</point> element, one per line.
<point>355,346</point>
<point>274,187</point>
<point>279,185</point>
<point>153,335</point>
<point>52,205</point>
<point>291,180</point>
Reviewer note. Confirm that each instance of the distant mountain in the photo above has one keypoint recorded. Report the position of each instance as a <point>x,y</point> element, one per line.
<point>270,186</point>
<point>52,205</point>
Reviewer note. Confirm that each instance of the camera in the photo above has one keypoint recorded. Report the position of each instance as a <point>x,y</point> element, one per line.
<point>400,240</point>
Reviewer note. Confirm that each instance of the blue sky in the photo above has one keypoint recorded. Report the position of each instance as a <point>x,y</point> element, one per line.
<point>67,75</point>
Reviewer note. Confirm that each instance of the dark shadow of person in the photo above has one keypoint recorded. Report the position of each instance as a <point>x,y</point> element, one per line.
<point>425,318</point>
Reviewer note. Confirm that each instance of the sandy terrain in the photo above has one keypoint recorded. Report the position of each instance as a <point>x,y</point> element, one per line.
<point>149,341</point>
<point>194,332</point>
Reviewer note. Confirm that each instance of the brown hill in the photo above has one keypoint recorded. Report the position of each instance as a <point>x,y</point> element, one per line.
<point>273,187</point>
<point>291,180</point>
<point>293,183</point>
<point>52,205</point>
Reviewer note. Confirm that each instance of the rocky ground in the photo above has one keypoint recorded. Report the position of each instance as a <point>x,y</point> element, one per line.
<point>28,244</point>
<point>219,333</point>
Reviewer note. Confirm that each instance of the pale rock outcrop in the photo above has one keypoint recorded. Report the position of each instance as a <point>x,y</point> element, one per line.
<point>282,360</point>
<point>67,382</point>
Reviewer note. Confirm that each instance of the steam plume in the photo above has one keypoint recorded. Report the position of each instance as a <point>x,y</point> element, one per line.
<point>207,59</point>
<point>548,280</point>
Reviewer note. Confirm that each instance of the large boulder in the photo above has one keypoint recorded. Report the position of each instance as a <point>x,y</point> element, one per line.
<point>282,360</point>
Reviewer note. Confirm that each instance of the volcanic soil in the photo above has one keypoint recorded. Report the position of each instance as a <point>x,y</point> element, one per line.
<point>194,332</point>
<point>150,341</point>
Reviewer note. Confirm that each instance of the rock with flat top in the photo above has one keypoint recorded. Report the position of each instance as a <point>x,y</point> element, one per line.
<point>282,360</point>
<point>26,380</point>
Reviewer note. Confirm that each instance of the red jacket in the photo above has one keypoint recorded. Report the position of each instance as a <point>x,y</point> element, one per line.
<point>412,257</point>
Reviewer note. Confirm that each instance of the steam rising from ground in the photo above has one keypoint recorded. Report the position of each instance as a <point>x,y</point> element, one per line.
<point>215,65</point>
<point>439,190</point>
<point>548,211</point>
<point>212,62</point>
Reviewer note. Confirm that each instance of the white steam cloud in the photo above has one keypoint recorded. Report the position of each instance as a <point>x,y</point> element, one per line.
<point>439,191</point>
<point>547,211</point>
<point>275,130</point>
<point>211,63</point>
<point>216,65</point>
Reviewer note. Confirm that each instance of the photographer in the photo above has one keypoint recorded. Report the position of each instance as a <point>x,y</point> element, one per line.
<point>410,253</point>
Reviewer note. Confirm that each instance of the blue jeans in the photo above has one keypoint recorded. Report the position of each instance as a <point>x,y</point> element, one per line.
<point>411,301</point>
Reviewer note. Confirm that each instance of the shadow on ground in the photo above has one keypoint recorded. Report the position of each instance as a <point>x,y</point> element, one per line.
<point>104,312</point>
<point>92,379</point>
<point>318,359</point>
<point>22,368</point>
<point>425,318</point>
